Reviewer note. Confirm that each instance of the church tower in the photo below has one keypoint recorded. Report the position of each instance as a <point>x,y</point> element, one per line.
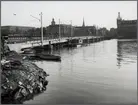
<point>83,25</point>
<point>53,22</point>
<point>119,19</point>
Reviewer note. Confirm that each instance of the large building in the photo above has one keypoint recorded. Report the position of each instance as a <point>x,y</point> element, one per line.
<point>63,30</point>
<point>16,29</point>
<point>59,30</point>
<point>126,28</point>
<point>16,34</point>
<point>85,30</point>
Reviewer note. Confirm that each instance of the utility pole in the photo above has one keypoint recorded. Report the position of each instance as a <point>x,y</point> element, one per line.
<point>41,30</point>
<point>41,26</point>
<point>59,29</point>
<point>71,29</point>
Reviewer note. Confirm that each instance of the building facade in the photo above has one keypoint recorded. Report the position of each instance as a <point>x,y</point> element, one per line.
<point>59,30</point>
<point>16,34</point>
<point>85,30</point>
<point>16,29</point>
<point>126,28</point>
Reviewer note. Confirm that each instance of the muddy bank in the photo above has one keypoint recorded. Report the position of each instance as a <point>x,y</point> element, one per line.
<point>20,79</point>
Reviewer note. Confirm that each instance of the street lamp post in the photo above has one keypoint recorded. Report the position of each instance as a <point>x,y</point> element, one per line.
<point>41,27</point>
<point>41,30</point>
<point>59,29</point>
<point>71,29</point>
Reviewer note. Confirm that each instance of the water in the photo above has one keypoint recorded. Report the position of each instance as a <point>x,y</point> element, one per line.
<point>103,72</point>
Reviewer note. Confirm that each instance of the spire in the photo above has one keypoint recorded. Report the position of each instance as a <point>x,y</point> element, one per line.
<point>83,23</point>
<point>119,17</point>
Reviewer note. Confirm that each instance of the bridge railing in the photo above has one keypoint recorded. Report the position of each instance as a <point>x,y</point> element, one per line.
<point>50,38</point>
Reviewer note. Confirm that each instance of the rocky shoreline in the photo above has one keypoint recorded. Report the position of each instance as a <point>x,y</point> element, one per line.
<point>20,79</point>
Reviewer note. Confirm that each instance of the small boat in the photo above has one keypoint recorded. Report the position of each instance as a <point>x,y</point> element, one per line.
<point>48,57</point>
<point>28,52</point>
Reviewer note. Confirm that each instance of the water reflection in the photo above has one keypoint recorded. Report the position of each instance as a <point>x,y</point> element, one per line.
<point>60,69</point>
<point>126,52</point>
<point>81,80</point>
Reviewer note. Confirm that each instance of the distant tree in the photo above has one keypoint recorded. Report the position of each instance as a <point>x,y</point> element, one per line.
<point>4,32</point>
<point>38,32</point>
<point>30,34</point>
<point>2,46</point>
<point>113,33</point>
<point>44,31</point>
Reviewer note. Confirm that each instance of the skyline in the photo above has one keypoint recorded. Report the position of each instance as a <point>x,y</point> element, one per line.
<point>18,13</point>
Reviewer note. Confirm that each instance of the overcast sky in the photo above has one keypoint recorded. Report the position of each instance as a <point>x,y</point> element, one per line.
<point>99,13</point>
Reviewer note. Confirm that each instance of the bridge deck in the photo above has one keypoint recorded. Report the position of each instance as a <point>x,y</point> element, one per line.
<point>53,41</point>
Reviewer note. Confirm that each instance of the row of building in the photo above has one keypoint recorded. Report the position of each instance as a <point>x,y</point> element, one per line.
<point>22,34</point>
<point>125,29</point>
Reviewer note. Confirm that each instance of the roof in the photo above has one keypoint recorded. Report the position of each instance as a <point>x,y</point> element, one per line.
<point>18,26</point>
